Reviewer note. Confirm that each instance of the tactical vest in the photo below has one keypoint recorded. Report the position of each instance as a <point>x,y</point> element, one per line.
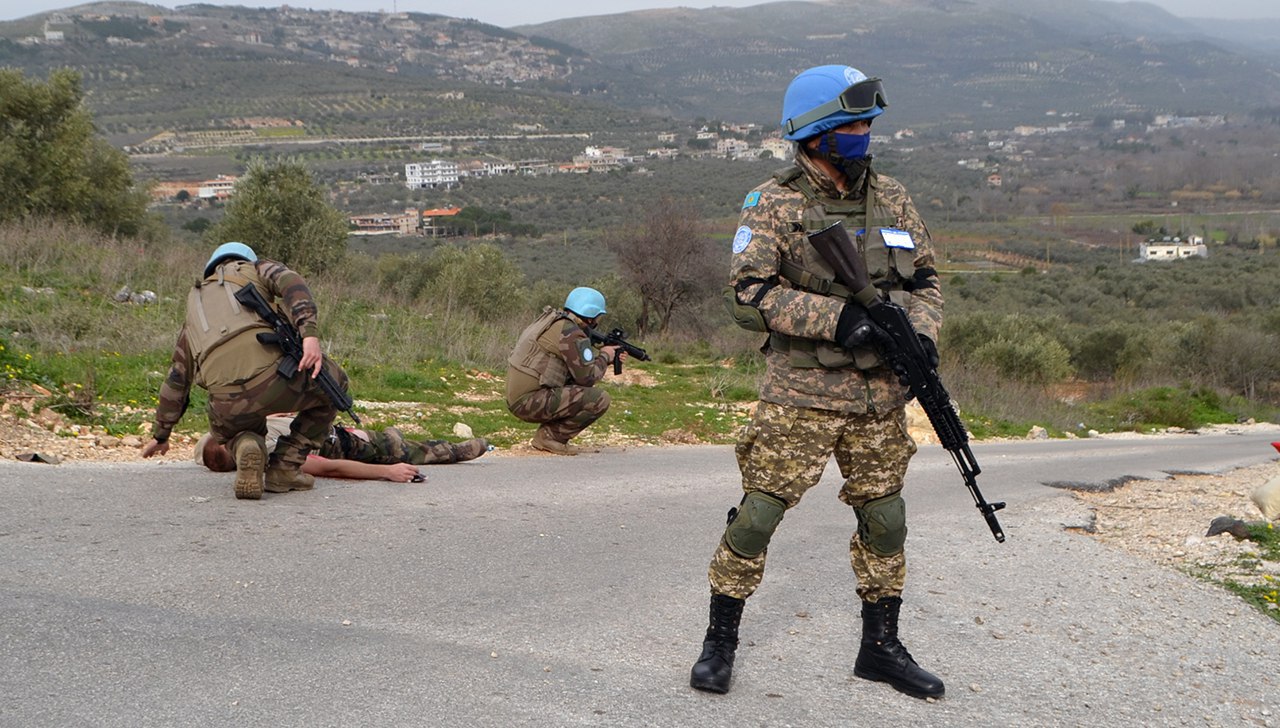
<point>888,268</point>
<point>537,357</point>
<point>222,334</point>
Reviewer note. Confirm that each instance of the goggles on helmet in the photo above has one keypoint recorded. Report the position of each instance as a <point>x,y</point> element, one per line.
<point>859,98</point>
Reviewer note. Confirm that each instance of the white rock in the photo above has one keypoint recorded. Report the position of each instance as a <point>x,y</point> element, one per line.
<point>462,430</point>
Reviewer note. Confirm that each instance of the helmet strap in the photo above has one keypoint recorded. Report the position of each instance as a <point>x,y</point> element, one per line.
<point>828,150</point>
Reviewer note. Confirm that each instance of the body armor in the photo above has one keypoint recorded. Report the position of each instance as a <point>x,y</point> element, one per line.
<point>222,334</point>
<point>535,362</point>
<point>889,268</point>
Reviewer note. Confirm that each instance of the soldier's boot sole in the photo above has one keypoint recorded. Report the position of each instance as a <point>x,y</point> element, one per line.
<point>250,460</point>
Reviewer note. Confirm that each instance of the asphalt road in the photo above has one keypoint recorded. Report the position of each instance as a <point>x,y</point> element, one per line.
<point>547,591</point>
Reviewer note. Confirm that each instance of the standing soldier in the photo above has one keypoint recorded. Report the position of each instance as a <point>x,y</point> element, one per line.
<point>552,371</point>
<point>826,391</point>
<point>218,350</point>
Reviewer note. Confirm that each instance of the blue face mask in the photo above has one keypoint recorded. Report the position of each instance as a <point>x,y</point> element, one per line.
<point>847,146</point>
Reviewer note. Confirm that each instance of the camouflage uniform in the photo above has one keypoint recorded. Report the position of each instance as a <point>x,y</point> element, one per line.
<point>378,448</point>
<point>551,374</point>
<point>818,400</point>
<point>240,374</point>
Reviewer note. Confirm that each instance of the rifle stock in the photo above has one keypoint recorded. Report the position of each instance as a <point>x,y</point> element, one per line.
<point>901,349</point>
<point>287,338</point>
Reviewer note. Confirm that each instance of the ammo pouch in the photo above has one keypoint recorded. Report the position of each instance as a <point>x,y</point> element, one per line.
<point>815,353</point>
<point>744,315</point>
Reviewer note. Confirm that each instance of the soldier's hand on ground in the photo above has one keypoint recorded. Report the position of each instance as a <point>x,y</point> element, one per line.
<point>155,447</point>
<point>311,356</point>
<point>403,473</point>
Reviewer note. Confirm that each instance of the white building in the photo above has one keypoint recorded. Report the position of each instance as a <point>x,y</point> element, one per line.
<point>731,147</point>
<point>1173,248</point>
<point>216,189</point>
<point>431,175</point>
<point>778,147</point>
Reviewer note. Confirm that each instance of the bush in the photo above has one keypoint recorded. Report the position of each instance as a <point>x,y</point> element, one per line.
<point>280,212</point>
<point>52,163</point>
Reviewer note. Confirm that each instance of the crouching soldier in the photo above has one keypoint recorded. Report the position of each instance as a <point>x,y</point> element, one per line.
<point>218,350</point>
<point>553,370</point>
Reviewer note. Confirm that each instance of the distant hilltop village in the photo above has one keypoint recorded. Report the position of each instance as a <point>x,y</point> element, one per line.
<point>462,49</point>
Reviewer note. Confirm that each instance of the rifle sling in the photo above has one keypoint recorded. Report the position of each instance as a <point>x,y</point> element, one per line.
<point>812,282</point>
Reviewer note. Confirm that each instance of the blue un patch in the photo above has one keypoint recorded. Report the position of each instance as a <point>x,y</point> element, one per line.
<point>741,239</point>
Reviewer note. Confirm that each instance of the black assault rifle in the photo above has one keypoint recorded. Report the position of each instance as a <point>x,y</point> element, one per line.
<point>286,337</point>
<point>901,349</point>
<point>618,338</point>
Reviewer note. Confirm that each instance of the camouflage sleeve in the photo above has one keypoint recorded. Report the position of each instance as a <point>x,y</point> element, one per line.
<point>296,299</point>
<point>925,307</point>
<point>763,233</point>
<point>585,365</point>
<point>175,392</point>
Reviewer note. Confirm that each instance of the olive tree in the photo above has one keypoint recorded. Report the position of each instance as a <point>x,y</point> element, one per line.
<point>53,163</point>
<point>278,210</point>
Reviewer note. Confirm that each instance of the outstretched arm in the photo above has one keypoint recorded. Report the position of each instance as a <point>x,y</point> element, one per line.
<point>352,470</point>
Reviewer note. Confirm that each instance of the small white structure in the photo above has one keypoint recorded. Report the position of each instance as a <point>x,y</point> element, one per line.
<point>1173,248</point>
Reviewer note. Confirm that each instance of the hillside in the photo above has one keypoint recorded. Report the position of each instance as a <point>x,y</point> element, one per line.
<point>150,69</point>
<point>949,62</point>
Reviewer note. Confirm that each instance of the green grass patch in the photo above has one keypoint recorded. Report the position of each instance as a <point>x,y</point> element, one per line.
<point>282,132</point>
<point>1264,594</point>
<point>1157,407</point>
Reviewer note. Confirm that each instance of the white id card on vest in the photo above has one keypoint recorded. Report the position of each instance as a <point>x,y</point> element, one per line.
<point>895,238</point>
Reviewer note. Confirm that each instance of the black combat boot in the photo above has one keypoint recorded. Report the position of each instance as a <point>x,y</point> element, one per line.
<point>884,659</point>
<point>714,667</point>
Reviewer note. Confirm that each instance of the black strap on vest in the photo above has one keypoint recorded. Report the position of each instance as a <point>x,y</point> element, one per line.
<point>767,284</point>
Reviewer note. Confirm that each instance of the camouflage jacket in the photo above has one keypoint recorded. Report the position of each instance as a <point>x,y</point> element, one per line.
<point>551,352</point>
<point>771,230</point>
<point>278,282</point>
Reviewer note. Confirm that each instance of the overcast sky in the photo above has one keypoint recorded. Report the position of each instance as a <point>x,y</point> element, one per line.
<point>506,13</point>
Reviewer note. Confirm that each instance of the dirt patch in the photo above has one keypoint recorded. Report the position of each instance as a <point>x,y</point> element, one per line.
<point>1165,521</point>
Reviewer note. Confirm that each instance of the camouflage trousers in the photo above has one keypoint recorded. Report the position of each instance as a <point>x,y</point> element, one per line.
<point>783,453</point>
<point>563,411</point>
<point>385,448</point>
<point>233,411</point>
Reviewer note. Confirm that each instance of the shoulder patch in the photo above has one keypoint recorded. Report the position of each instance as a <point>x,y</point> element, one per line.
<point>585,351</point>
<point>753,199</point>
<point>742,239</point>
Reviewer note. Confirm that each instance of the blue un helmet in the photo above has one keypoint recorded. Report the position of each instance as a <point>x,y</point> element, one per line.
<point>586,302</point>
<point>825,97</point>
<point>228,251</point>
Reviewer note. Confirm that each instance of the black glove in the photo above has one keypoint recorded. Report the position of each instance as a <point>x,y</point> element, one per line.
<point>855,328</point>
<point>930,350</point>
